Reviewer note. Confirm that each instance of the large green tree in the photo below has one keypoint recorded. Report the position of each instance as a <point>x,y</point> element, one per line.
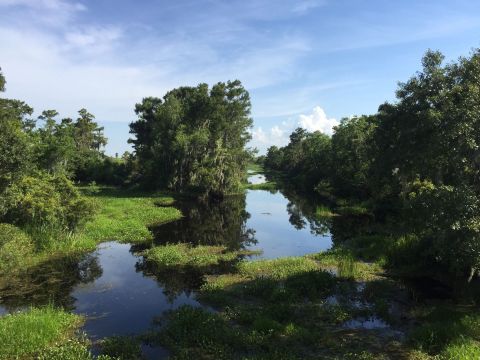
<point>351,156</point>
<point>194,138</point>
<point>428,155</point>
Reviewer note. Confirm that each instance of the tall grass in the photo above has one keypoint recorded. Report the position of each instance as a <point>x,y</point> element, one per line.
<point>30,332</point>
<point>180,255</point>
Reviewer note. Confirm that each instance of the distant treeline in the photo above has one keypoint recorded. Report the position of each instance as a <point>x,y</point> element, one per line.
<point>415,164</point>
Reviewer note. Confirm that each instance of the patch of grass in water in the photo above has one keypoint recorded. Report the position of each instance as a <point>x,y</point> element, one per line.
<point>268,185</point>
<point>346,266</point>
<point>268,309</point>
<point>254,169</point>
<point>324,212</point>
<point>122,347</point>
<point>126,218</point>
<point>175,256</point>
<point>353,210</point>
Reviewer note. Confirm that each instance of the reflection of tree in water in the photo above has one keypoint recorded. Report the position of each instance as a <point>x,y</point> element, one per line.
<point>50,282</point>
<point>172,281</point>
<point>301,213</point>
<point>210,223</point>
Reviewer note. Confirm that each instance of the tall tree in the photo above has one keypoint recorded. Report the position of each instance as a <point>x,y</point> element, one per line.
<point>194,138</point>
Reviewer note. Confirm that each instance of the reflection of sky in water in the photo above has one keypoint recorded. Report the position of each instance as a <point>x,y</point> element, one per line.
<point>122,301</point>
<point>370,323</point>
<point>256,179</point>
<point>276,236</point>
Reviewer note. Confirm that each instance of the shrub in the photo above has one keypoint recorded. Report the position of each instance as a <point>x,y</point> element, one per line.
<point>44,199</point>
<point>15,245</point>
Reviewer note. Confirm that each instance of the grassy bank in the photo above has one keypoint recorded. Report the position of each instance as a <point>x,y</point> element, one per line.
<point>50,333</point>
<point>268,185</point>
<point>120,215</point>
<point>26,334</point>
<point>126,217</point>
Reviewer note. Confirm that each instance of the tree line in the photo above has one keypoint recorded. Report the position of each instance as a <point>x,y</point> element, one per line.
<point>193,140</point>
<point>415,164</point>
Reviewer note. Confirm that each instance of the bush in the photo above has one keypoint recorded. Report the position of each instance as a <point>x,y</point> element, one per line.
<point>44,199</point>
<point>15,246</point>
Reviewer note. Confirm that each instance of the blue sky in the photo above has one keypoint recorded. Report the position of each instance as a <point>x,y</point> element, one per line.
<point>305,63</point>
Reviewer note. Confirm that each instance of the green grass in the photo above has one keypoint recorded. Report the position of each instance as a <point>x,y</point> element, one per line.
<point>270,309</point>
<point>176,256</point>
<point>122,347</point>
<point>353,210</point>
<point>120,216</point>
<point>268,185</point>
<point>127,218</point>
<point>15,248</point>
<point>254,169</point>
<point>447,329</point>
<point>324,212</point>
<point>347,266</point>
<point>27,333</point>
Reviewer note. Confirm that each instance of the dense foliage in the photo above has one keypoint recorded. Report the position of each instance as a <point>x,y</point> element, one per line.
<point>415,161</point>
<point>194,138</point>
<point>38,164</point>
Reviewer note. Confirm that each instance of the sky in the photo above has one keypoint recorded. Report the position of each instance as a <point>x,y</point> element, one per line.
<point>305,63</point>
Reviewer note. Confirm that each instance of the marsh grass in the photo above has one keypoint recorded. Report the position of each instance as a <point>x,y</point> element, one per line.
<point>120,215</point>
<point>447,329</point>
<point>347,266</point>
<point>268,185</point>
<point>254,169</point>
<point>15,246</point>
<point>324,212</point>
<point>268,309</point>
<point>127,217</point>
<point>122,347</point>
<point>27,333</point>
<point>178,256</point>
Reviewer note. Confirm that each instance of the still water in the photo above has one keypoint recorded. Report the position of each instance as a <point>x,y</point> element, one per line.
<point>112,287</point>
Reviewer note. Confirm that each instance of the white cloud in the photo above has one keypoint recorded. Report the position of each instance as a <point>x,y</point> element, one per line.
<point>318,121</point>
<point>275,136</point>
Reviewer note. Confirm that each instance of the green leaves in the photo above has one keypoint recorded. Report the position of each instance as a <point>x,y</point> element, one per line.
<point>194,139</point>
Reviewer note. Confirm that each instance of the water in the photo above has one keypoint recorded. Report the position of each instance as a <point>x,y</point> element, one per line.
<point>123,301</point>
<point>281,228</point>
<point>257,179</point>
<point>112,286</point>
<point>270,221</point>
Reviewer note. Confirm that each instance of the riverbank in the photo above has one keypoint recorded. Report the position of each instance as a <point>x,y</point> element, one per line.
<point>120,215</point>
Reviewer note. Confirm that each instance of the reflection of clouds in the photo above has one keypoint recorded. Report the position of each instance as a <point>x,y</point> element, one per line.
<point>257,179</point>
<point>287,230</point>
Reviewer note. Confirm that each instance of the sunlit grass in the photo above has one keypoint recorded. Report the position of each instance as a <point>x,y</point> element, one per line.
<point>126,219</point>
<point>324,212</point>
<point>181,255</point>
<point>31,332</point>
<point>268,185</point>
